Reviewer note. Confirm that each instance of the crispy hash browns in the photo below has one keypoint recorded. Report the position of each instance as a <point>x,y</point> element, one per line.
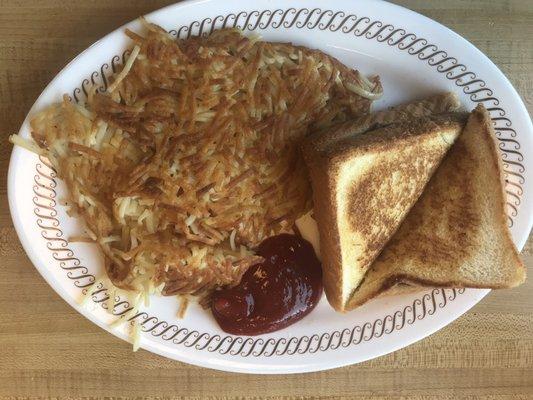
<point>189,159</point>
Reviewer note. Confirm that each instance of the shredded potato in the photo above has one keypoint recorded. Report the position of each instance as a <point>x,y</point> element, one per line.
<point>125,70</point>
<point>190,158</point>
<point>26,144</point>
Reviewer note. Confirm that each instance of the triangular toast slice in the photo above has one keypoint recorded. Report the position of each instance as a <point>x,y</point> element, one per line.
<point>364,185</point>
<point>456,235</point>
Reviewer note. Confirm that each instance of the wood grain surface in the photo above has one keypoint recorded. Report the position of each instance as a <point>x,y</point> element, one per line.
<point>49,350</point>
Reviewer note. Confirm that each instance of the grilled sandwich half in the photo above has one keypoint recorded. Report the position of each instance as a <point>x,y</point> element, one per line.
<point>456,235</point>
<point>364,184</point>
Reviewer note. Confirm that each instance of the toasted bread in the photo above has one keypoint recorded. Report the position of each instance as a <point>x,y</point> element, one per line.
<point>401,289</point>
<point>456,235</point>
<point>436,104</point>
<point>364,185</point>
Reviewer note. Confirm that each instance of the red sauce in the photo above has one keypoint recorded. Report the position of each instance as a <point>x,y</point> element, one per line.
<point>273,294</point>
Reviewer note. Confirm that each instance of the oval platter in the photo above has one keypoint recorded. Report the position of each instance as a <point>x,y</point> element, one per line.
<point>414,57</point>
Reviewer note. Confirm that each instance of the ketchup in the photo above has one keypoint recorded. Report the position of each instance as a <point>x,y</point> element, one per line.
<point>274,294</point>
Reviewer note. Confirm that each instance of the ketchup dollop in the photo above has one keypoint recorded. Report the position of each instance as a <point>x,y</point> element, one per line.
<point>275,293</point>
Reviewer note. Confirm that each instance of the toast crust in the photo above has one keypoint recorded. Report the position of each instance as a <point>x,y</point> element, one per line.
<point>325,211</point>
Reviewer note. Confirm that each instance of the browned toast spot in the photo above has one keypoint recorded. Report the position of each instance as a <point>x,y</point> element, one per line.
<point>378,190</point>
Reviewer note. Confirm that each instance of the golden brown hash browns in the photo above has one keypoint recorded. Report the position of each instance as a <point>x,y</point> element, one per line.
<point>191,160</point>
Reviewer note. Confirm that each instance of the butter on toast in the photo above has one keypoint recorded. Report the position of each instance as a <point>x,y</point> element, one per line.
<point>456,235</point>
<point>363,186</point>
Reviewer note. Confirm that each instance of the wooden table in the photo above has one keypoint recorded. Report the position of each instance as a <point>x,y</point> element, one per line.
<point>48,349</point>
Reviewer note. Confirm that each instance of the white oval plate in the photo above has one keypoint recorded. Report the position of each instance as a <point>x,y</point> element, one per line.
<point>414,56</point>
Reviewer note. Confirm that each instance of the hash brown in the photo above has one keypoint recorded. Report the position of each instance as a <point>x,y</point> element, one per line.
<point>189,159</point>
